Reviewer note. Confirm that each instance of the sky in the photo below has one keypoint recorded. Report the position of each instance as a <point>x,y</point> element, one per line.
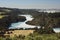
<point>29,4</point>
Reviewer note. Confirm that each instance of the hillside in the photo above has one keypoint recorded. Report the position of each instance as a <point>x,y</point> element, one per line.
<point>10,15</point>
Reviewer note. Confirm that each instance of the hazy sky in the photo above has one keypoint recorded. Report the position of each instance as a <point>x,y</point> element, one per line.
<point>30,3</point>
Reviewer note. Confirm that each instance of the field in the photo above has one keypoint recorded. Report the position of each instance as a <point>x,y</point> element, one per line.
<point>34,36</point>
<point>18,32</point>
<point>1,16</point>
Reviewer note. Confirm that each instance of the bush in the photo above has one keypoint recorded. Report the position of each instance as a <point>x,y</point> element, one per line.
<point>38,38</point>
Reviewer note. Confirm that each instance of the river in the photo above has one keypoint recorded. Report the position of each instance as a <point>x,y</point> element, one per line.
<point>23,25</point>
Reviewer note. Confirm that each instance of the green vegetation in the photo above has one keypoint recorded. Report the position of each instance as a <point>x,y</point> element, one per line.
<point>34,36</point>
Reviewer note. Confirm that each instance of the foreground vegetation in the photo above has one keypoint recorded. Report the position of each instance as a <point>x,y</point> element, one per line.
<point>34,36</point>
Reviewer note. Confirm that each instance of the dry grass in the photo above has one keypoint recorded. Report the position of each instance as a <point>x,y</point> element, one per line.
<point>19,32</point>
<point>1,16</point>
